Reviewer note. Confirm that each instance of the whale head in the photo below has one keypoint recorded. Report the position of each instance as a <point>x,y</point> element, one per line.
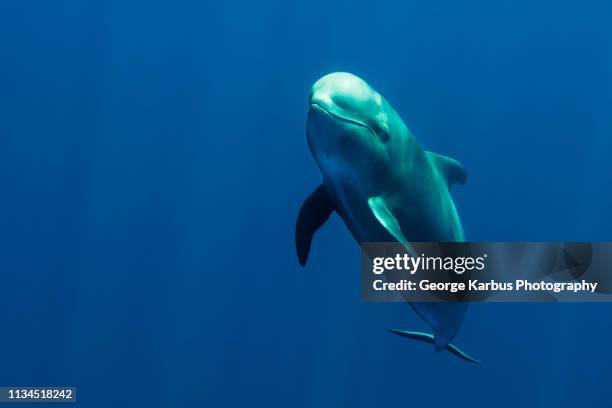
<point>351,126</point>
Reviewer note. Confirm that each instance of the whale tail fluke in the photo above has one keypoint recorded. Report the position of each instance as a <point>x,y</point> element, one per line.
<point>429,338</point>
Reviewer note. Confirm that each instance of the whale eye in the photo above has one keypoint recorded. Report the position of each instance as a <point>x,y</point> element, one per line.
<point>381,132</point>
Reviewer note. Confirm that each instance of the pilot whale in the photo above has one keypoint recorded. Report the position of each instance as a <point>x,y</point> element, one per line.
<point>384,186</point>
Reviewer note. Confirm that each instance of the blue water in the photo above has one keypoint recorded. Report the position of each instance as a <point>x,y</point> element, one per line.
<point>153,159</point>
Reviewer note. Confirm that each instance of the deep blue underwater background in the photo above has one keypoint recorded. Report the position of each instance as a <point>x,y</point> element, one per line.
<point>153,159</point>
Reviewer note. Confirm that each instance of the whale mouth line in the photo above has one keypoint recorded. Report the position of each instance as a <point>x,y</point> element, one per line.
<point>318,106</point>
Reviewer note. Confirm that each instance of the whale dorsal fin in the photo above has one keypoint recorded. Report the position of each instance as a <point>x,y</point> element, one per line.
<point>314,212</point>
<point>450,169</point>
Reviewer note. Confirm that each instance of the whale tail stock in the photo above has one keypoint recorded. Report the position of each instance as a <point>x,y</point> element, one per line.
<point>429,338</point>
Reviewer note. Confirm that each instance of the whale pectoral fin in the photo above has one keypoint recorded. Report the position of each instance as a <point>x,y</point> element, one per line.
<point>314,212</point>
<point>383,214</point>
<point>452,171</point>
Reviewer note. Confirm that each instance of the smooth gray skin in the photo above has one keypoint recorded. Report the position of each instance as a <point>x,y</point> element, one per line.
<point>377,176</point>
